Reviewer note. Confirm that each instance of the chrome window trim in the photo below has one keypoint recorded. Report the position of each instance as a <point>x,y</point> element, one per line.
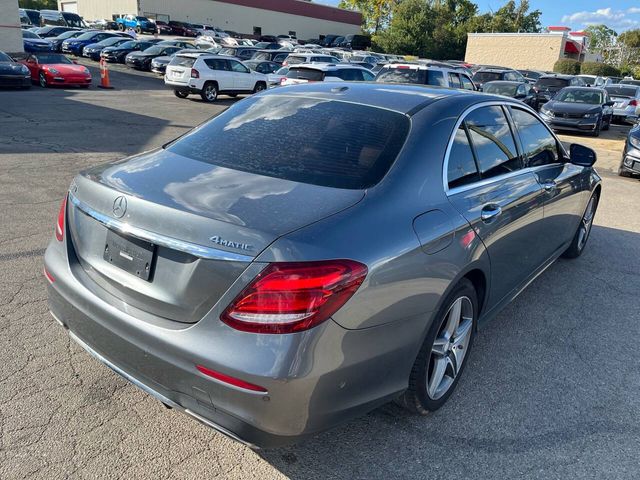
<point>445,166</point>
<point>194,249</point>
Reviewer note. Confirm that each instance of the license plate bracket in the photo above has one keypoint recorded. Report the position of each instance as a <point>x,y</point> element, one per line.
<point>130,254</point>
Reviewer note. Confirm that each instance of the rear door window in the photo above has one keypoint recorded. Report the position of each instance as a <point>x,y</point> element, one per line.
<point>402,75</point>
<point>342,145</point>
<point>467,84</point>
<point>454,80</point>
<point>308,74</point>
<point>461,167</point>
<point>539,147</point>
<point>493,141</point>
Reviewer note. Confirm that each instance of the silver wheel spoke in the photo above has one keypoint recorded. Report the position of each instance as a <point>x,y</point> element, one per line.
<point>440,347</point>
<point>454,318</point>
<point>439,369</point>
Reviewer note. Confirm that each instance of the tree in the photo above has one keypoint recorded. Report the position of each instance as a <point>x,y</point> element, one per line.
<point>600,37</point>
<point>375,13</point>
<point>510,18</point>
<point>409,28</point>
<point>630,38</point>
<point>39,4</point>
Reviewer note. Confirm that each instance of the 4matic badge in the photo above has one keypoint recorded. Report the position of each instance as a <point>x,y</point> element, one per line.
<point>228,243</point>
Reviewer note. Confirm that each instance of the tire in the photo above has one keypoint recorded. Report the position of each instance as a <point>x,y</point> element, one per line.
<point>138,30</point>
<point>260,86</point>
<point>584,229</point>
<point>596,132</point>
<point>121,27</point>
<point>209,92</point>
<point>42,80</point>
<point>180,94</point>
<point>233,95</point>
<point>437,357</point>
<point>608,125</point>
<point>623,172</point>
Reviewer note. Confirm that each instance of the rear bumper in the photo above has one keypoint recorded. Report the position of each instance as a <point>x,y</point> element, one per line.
<point>314,380</point>
<point>181,87</point>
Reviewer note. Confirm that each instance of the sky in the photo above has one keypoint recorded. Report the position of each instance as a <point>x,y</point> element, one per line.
<point>617,14</point>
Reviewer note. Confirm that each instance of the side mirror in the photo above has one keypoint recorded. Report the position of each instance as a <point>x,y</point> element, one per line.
<point>581,155</point>
<point>609,104</point>
<point>75,61</point>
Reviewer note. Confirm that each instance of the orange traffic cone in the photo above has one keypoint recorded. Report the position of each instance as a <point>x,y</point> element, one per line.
<point>104,75</point>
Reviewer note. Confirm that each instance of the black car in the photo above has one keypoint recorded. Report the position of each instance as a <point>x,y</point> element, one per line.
<point>484,75</point>
<point>176,43</point>
<point>159,64</point>
<point>630,164</point>
<point>327,40</point>
<point>268,38</point>
<point>356,42</point>
<point>119,53</point>
<point>531,76</point>
<point>518,90</point>
<point>263,66</point>
<point>57,41</point>
<point>12,73</point>
<point>51,31</point>
<point>268,46</point>
<point>336,42</point>
<point>581,109</point>
<point>142,60</point>
<point>93,50</point>
<point>243,53</point>
<point>34,15</point>
<point>548,85</point>
<point>277,56</point>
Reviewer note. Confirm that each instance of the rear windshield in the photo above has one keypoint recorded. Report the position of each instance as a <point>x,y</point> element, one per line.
<point>630,82</point>
<point>342,145</point>
<point>620,91</point>
<point>179,61</point>
<point>552,82</point>
<point>309,74</point>
<point>484,77</point>
<point>410,75</point>
<point>506,89</point>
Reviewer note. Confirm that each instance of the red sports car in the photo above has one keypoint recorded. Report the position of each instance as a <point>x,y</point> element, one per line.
<point>55,69</point>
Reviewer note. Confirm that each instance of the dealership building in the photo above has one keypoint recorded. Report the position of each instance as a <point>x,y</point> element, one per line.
<point>259,17</point>
<point>10,33</point>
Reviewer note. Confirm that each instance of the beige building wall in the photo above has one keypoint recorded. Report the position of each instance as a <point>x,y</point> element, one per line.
<point>224,15</point>
<point>536,51</point>
<point>10,32</point>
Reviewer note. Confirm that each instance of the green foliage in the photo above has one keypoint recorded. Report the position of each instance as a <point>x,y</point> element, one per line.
<point>630,38</point>
<point>600,37</point>
<point>511,17</point>
<point>375,13</point>
<point>38,4</point>
<point>600,69</point>
<point>567,67</point>
<point>408,32</point>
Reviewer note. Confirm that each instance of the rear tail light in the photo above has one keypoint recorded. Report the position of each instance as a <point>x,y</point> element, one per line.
<point>283,80</point>
<point>633,103</point>
<point>292,297</point>
<point>61,216</point>
<point>195,73</point>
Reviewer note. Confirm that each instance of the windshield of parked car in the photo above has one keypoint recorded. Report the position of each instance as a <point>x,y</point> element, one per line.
<point>28,34</point>
<point>5,58</point>
<point>108,42</point>
<point>51,58</point>
<point>483,77</point>
<point>87,36</point>
<point>410,75</point>
<point>506,89</point>
<point>129,44</point>
<point>552,82</point>
<point>342,145</point>
<point>621,91</point>
<point>228,51</point>
<point>68,34</point>
<point>572,95</point>
<point>180,61</point>
<point>155,50</point>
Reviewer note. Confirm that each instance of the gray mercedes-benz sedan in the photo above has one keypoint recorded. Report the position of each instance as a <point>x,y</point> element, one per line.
<point>315,251</point>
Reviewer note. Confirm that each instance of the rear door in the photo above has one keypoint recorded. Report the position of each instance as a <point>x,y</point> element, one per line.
<point>221,72</point>
<point>562,182</point>
<point>503,203</point>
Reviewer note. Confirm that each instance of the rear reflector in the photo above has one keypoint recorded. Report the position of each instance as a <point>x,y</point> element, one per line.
<point>236,382</point>
<point>61,216</point>
<point>633,103</point>
<point>49,276</point>
<point>292,297</point>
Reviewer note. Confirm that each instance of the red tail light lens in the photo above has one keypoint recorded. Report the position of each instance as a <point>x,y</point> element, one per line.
<point>61,216</point>
<point>633,103</point>
<point>236,382</point>
<point>291,297</point>
<point>195,73</point>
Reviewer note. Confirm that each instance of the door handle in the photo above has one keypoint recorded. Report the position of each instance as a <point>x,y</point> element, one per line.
<point>549,186</point>
<point>489,212</point>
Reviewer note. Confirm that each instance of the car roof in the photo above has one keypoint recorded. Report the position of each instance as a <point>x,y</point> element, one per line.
<point>494,70</point>
<point>402,98</point>
<point>557,75</point>
<point>578,87</point>
<point>504,82</point>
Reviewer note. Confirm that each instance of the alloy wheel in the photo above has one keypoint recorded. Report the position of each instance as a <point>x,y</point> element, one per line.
<point>211,93</point>
<point>586,223</point>
<point>450,347</point>
<point>43,80</point>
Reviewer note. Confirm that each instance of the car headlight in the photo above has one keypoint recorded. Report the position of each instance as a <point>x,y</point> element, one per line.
<point>635,142</point>
<point>24,70</point>
<point>591,115</point>
<point>54,71</point>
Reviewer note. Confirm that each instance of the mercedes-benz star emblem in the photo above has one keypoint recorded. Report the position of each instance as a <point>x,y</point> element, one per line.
<point>119,207</point>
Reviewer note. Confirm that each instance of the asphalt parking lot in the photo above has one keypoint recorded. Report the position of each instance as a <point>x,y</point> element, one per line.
<point>552,389</point>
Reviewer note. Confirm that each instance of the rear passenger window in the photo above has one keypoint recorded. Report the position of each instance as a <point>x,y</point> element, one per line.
<point>539,147</point>
<point>347,74</point>
<point>435,77</point>
<point>216,64</point>
<point>461,169</point>
<point>493,142</point>
<point>454,80</point>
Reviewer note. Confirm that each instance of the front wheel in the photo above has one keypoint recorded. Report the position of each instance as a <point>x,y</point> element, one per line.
<point>209,93</point>
<point>584,229</point>
<point>608,124</point>
<point>260,86</point>
<point>441,359</point>
<point>180,94</point>
<point>596,132</point>
<point>121,27</point>
<point>42,79</point>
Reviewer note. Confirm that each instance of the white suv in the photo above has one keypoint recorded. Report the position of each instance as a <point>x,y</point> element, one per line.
<point>210,75</point>
<point>315,72</point>
<point>425,74</point>
<point>298,58</point>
